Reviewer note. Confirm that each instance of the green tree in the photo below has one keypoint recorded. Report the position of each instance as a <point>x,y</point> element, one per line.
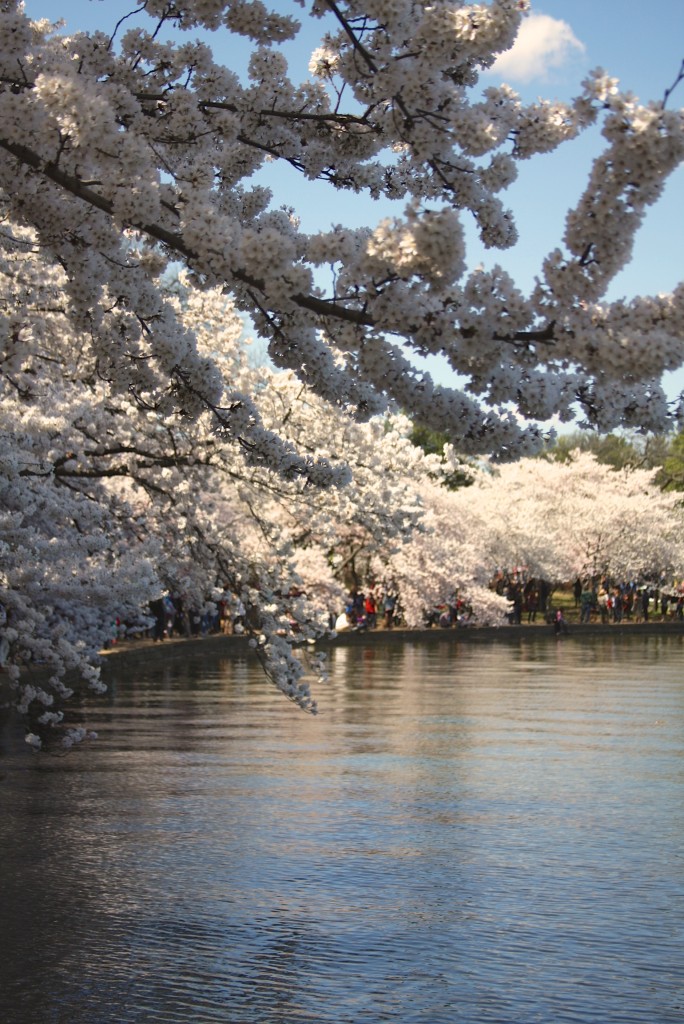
<point>621,451</point>
<point>671,474</point>
<point>432,442</point>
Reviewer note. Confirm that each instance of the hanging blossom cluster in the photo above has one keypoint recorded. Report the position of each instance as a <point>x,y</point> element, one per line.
<point>124,154</point>
<point>141,136</point>
<point>99,486</point>
<point>99,509</point>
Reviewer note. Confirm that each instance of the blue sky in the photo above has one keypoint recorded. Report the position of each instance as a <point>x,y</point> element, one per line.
<point>640,44</point>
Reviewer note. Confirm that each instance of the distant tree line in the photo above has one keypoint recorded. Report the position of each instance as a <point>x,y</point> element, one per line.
<point>626,450</point>
<point>630,450</point>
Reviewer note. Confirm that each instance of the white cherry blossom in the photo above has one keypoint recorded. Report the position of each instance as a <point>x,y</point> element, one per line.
<point>125,154</point>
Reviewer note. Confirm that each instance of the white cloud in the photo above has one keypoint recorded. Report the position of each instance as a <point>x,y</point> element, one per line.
<point>544,45</point>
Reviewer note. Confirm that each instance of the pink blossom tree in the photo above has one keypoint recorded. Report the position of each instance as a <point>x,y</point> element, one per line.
<point>125,154</point>
<point>577,518</point>
<point>128,150</point>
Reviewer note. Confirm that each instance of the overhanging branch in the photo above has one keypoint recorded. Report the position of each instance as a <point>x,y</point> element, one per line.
<point>324,309</point>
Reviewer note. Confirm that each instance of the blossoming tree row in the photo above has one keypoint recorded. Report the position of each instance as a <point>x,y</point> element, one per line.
<point>131,442</point>
<point>106,503</point>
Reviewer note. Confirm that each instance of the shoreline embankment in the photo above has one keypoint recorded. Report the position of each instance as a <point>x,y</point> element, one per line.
<point>145,651</point>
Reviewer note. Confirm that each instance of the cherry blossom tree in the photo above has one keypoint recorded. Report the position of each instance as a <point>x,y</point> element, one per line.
<point>559,520</point>
<point>127,150</point>
<point>576,518</point>
<point>108,501</point>
<point>125,154</point>
<point>447,558</point>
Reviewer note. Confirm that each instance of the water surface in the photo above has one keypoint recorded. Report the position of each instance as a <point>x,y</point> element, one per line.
<point>468,832</point>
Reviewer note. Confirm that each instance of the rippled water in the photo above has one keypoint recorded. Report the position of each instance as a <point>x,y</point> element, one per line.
<point>477,833</point>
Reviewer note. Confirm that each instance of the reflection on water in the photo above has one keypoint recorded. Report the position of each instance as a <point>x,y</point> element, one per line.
<point>466,833</point>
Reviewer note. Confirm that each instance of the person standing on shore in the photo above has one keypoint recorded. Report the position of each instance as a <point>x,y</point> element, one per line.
<point>560,626</point>
<point>586,604</point>
<point>645,602</point>
<point>371,610</point>
<point>389,605</point>
<point>602,601</point>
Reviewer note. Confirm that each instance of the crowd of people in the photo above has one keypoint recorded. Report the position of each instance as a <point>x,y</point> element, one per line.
<point>368,610</point>
<point>596,600</point>
<point>172,616</point>
<point>379,607</point>
<point>530,601</point>
<point>528,595</point>
<point>615,602</point>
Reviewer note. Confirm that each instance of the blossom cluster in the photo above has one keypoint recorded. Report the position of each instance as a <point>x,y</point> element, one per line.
<point>124,154</point>
<point>146,132</point>
<point>100,512</point>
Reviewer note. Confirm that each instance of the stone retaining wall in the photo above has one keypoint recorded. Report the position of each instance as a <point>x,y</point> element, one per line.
<point>146,652</point>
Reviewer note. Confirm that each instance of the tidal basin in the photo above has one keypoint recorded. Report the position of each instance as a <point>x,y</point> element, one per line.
<point>467,832</point>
